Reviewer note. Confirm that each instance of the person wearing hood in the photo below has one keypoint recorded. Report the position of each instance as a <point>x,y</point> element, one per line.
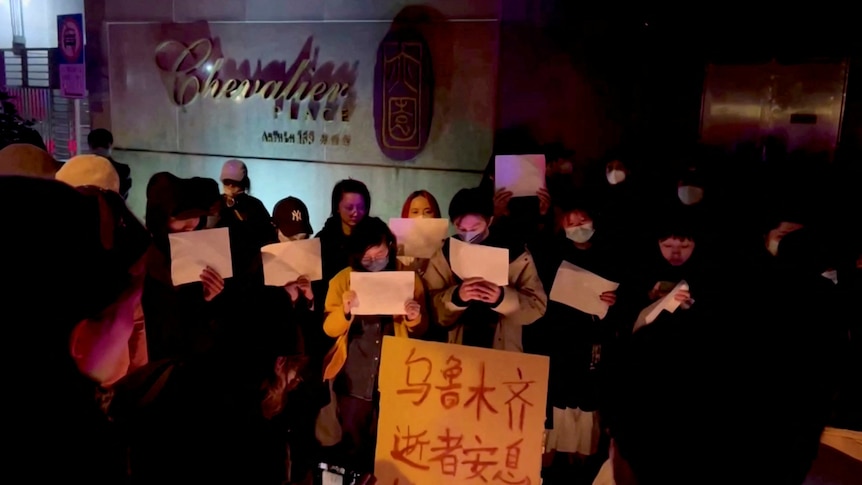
<point>249,222</point>
<point>62,434</point>
<point>179,320</point>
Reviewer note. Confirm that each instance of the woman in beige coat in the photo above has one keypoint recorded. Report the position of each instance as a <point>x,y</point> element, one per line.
<point>477,312</point>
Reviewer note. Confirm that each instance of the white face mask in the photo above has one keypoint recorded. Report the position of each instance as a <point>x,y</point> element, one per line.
<point>616,176</point>
<point>473,237</point>
<point>689,194</point>
<point>580,234</point>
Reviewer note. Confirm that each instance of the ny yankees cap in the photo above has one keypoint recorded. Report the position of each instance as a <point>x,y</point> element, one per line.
<point>290,216</point>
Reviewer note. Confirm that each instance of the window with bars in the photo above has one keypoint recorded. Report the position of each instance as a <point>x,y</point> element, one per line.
<point>31,77</point>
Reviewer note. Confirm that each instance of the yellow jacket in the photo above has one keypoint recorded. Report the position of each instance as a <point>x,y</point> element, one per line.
<point>336,325</point>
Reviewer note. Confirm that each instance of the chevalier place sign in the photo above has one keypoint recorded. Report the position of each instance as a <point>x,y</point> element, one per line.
<point>307,95</point>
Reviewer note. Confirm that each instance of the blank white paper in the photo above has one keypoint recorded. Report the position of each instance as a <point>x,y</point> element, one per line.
<point>477,261</point>
<point>285,262</point>
<point>581,289</point>
<point>192,252</point>
<point>382,292</point>
<point>667,302</point>
<point>523,175</point>
<point>421,238</point>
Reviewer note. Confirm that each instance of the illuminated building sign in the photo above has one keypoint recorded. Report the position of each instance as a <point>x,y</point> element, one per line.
<point>193,71</point>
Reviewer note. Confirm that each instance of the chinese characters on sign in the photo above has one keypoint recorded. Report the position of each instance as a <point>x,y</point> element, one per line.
<point>70,43</point>
<point>403,94</point>
<point>306,137</point>
<point>459,414</point>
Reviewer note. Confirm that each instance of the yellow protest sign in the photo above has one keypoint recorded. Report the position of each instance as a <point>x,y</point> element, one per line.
<point>453,414</point>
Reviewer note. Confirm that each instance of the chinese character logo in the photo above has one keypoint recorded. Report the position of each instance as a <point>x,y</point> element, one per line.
<point>403,94</point>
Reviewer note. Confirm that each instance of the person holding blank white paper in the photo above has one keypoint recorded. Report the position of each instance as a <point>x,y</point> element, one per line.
<point>478,312</point>
<point>290,217</point>
<point>178,319</point>
<point>419,205</point>
<point>354,361</point>
<point>576,338</point>
<point>678,257</point>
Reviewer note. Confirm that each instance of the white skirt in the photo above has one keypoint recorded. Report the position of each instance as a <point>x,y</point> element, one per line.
<point>575,431</point>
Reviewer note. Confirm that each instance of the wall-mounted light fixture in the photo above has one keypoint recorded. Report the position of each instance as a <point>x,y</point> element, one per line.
<point>16,11</point>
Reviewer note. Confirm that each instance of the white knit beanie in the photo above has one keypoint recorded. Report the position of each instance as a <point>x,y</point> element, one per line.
<point>90,170</point>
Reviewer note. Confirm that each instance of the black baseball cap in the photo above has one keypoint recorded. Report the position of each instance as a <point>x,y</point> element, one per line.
<point>290,216</point>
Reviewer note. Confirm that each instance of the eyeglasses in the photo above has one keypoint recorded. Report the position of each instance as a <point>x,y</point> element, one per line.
<point>370,261</point>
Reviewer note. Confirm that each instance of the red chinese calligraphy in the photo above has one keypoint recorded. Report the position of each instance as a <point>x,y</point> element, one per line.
<point>509,479</point>
<point>513,454</point>
<point>446,456</point>
<point>422,388</point>
<point>412,444</point>
<point>449,396</point>
<point>518,389</point>
<point>478,395</point>
<point>478,465</point>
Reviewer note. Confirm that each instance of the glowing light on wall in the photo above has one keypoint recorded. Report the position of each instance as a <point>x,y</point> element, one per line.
<point>16,8</point>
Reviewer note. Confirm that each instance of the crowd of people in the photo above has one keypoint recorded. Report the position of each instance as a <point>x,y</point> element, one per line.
<point>123,377</point>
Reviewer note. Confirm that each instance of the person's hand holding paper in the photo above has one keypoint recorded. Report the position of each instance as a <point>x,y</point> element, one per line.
<point>420,238</point>
<point>522,175</point>
<point>670,302</point>
<point>472,261</point>
<point>302,286</point>
<point>583,290</point>
<point>201,256</point>
<point>286,262</point>
<point>477,289</point>
<point>380,293</point>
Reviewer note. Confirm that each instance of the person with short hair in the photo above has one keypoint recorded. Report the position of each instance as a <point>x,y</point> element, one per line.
<point>478,312</point>
<point>101,143</point>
